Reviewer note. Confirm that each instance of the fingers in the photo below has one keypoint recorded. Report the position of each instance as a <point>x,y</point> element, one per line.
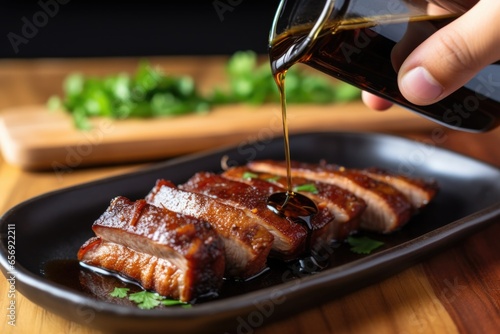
<point>452,55</point>
<point>374,102</point>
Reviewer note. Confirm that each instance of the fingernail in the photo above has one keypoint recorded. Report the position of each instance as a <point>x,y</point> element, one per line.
<point>421,85</point>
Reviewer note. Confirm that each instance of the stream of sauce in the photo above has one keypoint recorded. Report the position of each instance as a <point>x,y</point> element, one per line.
<point>295,206</point>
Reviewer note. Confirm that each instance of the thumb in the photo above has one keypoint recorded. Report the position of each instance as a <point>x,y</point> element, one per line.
<point>452,56</point>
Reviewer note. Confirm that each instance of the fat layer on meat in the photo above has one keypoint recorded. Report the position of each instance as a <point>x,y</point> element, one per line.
<point>418,190</point>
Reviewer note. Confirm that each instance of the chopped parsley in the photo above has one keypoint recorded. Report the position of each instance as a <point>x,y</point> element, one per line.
<point>363,245</point>
<point>249,175</point>
<point>146,300</point>
<point>306,187</point>
<point>119,292</point>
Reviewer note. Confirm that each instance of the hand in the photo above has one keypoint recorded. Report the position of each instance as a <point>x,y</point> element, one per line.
<point>449,58</point>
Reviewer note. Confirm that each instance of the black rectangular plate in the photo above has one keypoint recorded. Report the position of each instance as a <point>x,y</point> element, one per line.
<point>53,226</point>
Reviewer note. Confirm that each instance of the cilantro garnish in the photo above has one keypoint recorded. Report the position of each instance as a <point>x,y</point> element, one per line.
<point>306,187</point>
<point>119,292</point>
<point>249,175</point>
<point>146,300</point>
<point>363,245</point>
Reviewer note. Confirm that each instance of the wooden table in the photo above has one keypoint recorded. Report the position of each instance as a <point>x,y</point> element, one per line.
<point>457,290</point>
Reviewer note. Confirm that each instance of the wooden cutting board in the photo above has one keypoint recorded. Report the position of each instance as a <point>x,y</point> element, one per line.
<point>32,137</point>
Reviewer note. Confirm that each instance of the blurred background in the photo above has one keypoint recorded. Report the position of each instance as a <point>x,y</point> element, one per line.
<point>63,28</point>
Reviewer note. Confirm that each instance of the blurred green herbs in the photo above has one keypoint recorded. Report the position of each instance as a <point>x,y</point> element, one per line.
<point>148,93</point>
<point>151,93</point>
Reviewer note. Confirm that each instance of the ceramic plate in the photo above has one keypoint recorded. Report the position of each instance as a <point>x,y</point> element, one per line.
<point>50,228</point>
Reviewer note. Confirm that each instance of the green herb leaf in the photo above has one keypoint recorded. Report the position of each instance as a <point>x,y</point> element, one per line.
<point>146,300</point>
<point>306,187</point>
<point>273,178</point>
<point>174,302</point>
<point>119,292</point>
<point>363,245</point>
<point>249,175</point>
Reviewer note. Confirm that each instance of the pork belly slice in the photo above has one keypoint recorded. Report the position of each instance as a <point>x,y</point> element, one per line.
<point>175,255</point>
<point>290,237</point>
<point>151,272</point>
<point>246,243</point>
<point>418,191</point>
<point>342,204</point>
<point>387,208</point>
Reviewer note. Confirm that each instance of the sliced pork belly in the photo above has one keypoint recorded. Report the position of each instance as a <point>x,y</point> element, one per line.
<point>387,208</point>
<point>152,272</point>
<point>175,255</point>
<point>290,238</point>
<point>247,244</point>
<point>418,191</point>
<point>343,205</point>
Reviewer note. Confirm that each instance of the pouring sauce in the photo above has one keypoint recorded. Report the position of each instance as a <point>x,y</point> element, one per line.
<point>297,207</point>
<point>367,51</point>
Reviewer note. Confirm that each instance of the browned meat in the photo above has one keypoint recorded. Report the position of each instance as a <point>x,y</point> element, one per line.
<point>418,191</point>
<point>343,205</point>
<point>152,272</point>
<point>175,255</point>
<point>290,238</point>
<point>247,244</point>
<point>387,208</point>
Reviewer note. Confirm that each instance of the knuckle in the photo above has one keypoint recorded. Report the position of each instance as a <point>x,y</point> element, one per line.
<point>455,51</point>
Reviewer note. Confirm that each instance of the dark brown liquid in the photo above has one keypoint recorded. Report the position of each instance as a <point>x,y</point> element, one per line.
<point>297,207</point>
<point>361,53</point>
<point>290,204</point>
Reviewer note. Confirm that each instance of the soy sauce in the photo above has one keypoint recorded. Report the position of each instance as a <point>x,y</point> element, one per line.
<point>295,206</point>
